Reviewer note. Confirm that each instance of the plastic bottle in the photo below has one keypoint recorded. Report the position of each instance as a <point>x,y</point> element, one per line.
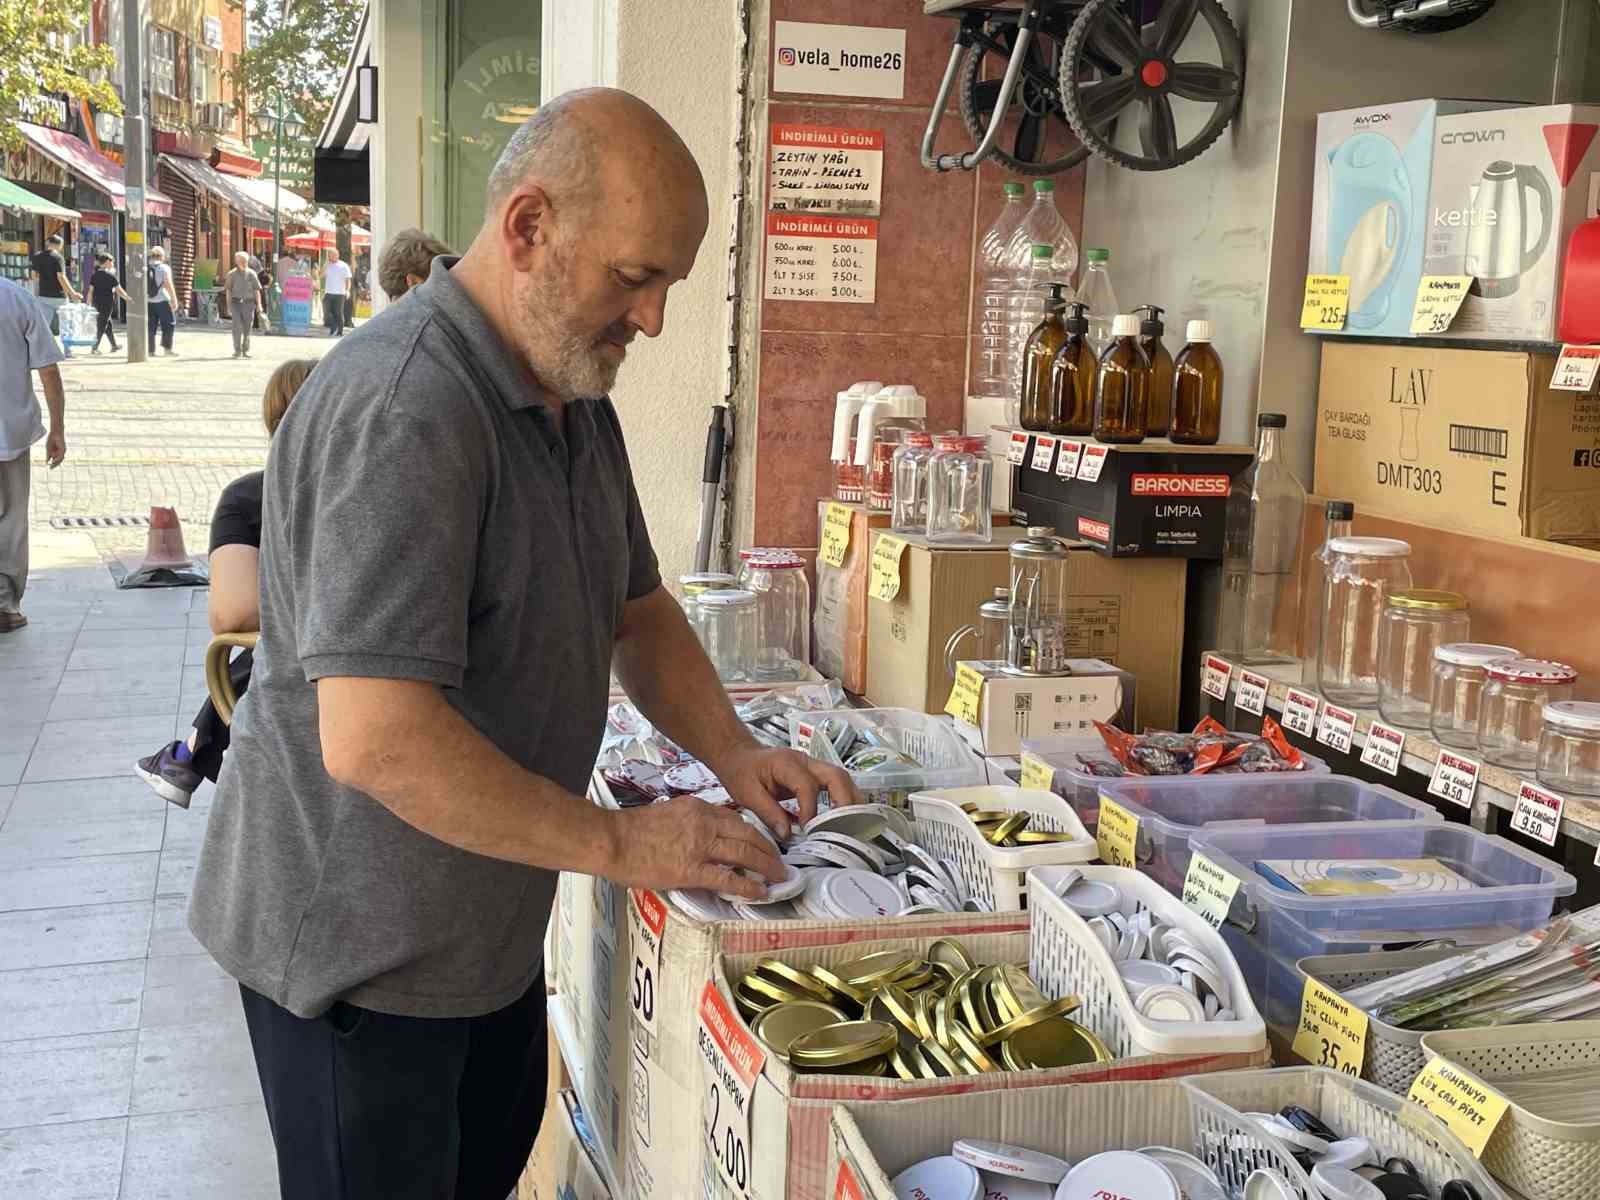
<point>1072,378</point>
<point>1197,389</point>
<point>1039,358</point>
<point>1122,385</point>
<point>1044,225</point>
<point>1261,552</point>
<point>849,481</point>
<point>1159,418</point>
<point>1095,290</point>
<point>1029,303</point>
<point>996,279</point>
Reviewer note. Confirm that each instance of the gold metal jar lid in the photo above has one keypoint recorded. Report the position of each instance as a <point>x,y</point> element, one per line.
<point>949,952</point>
<point>844,1044</point>
<point>1030,1018</point>
<point>1007,829</point>
<point>1039,837</point>
<point>1058,1042</point>
<point>781,1024</point>
<point>891,1005</point>
<point>793,979</point>
<point>1428,600</point>
<point>883,967</point>
<point>841,989</point>
<point>761,990</point>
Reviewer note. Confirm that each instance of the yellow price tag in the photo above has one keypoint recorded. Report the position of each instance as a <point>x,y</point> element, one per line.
<point>836,520</point>
<point>1209,890</point>
<point>1438,299</point>
<point>1470,1108</point>
<point>1116,834</point>
<point>1036,773</point>
<point>1326,303</point>
<point>966,694</point>
<point>884,581</point>
<point>1332,1031</point>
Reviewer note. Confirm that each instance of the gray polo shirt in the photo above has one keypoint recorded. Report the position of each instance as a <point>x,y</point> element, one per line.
<point>423,519</point>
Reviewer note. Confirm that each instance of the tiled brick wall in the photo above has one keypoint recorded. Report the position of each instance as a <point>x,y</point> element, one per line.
<point>918,329</point>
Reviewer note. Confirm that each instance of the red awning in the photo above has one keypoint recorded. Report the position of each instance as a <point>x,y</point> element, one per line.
<point>232,162</point>
<point>322,239</point>
<point>95,169</point>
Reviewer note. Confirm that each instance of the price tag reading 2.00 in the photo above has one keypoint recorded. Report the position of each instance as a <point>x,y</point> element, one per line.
<point>647,920</point>
<point>732,1060</point>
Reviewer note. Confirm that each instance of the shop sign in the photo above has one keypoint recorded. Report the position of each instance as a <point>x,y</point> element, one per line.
<point>297,304</point>
<point>826,169</point>
<point>824,260</point>
<point>839,60</point>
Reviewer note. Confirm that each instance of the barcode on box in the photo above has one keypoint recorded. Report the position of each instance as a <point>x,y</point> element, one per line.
<point>1479,441</point>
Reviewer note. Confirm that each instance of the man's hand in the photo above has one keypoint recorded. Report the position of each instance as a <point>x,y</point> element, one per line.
<point>55,448</point>
<point>687,843</point>
<point>758,778</point>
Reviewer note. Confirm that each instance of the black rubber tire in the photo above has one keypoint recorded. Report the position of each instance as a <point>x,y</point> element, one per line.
<point>971,66</point>
<point>1073,52</point>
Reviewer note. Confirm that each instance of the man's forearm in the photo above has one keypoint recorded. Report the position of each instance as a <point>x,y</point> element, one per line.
<point>660,663</point>
<point>55,398</point>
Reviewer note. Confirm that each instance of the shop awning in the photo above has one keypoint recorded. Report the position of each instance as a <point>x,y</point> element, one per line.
<point>293,208</point>
<point>79,158</point>
<point>14,197</point>
<point>322,239</point>
<point>206,177</point>
<point>340,168</point>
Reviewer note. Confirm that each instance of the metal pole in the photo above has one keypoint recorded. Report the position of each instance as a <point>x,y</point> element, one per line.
<point>133,145</point>
<point>277,189</point>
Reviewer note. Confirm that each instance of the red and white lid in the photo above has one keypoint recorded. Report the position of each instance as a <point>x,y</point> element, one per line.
<point>1530,670</point>
<point>1576,716</point>
<point>1015,1161</point>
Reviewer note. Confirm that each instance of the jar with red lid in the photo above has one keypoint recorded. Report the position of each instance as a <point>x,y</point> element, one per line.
<point>1511,709</point>
<point>908,512</point>
<point>880,473</point>
<point>960,490</point>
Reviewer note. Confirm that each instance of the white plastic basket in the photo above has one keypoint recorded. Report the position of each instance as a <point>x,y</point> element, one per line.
<point>1066,958</point>
<point>998,875</point>
<point>943,759</point>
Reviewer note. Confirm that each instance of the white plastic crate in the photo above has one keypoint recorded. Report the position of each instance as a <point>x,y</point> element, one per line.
<point>943,759</point>
<point>1066,958</point>
<point>998,875</point>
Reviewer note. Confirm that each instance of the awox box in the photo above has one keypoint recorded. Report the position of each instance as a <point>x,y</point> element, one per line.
<point>1155,498</point>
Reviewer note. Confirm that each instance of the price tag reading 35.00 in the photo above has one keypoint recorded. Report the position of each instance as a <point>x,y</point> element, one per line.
<point>647,920</point>
<point>1117,834</point>
<point>1209,890</point>
<point>884,583</point>
<point>1327,300</point>
<point>1252,694</point>
<point>1471,1109</point>
<point>1455,778</point>
<point>1338,728</point>
<point>1300,712</point>
<point>835,534</point>
<point>732,1060</point>
<point>1332,1031</point>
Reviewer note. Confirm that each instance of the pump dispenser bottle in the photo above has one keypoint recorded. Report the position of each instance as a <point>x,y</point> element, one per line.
<point>1072,377</point>
<point>1122,385</point>
<point>1159,416</point>
<point>1048,336</point>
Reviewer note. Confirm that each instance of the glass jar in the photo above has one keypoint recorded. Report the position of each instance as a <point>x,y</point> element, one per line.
<point>909,505</point>
<point>1358,575</point>
<point>1511,711</point>
<point>880,474</point>
<point>1569,748</point>
<point>1036,639</point>
<point>783,614</point>
<point>1458,679</point>
<point>696,582</point>
<point>725,622</point>
<point>1415,623</point>
<point>960,490</point>
<point>994,619</point>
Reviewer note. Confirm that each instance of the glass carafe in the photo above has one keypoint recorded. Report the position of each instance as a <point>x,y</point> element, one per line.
<point>1261,554</point>
<point>1358,577</point>
<point>908,512</point>
<point>1036,637</point>
<point>960,490</point>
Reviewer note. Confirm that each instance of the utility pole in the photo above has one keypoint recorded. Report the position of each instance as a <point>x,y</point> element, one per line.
<point>133,164</point>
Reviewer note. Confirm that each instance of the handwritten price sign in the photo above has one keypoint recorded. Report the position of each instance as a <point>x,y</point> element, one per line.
<point>1326,303</point>
<point>1332,1031</point>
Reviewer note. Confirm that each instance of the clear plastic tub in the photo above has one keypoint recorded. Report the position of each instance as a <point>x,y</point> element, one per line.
<point>1080,789</point>
<point>943,759</point>
<point>1170,809</point>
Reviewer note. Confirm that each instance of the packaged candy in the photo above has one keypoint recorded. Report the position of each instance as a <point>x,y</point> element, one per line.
<point>1209,749</point>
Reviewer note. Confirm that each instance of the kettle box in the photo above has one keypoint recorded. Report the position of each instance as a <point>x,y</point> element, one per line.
<point>1509,188</point>
<point>1470,440</point>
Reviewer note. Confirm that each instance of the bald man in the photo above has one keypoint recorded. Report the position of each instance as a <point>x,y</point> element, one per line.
<point>453,565</point>
<point>244,301</point>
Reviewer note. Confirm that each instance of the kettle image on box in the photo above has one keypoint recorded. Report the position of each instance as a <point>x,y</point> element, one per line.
<point>1369,221</point>
<point>1497,234</point>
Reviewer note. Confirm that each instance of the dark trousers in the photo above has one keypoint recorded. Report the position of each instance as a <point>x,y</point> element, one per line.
<point>333,319</point>
<point>210,730</point>
<point>161,318</point>
<point>104,329</point>
<point>368,1106</point>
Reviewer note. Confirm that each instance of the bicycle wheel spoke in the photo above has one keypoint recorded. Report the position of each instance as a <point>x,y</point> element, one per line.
<point>1158,135</point>
<point>1204,82</point>
<point>1169,31</point>
<point>1103,100</point>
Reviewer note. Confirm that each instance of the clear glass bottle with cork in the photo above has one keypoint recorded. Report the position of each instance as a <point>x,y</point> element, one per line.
<point>1122,385</point>
<point>1072,377</point>
<point>1197,390</point>
<point>1159,415</point>
<point>1048,336</point>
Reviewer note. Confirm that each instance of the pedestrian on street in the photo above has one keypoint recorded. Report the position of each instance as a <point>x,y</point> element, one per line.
<point>335,290</point>
<point>48,270</point>
<point>162,299</point>
<point>104,289</point>
<point>25,346</point>
<point>244,299</point>
<point>406,261</point>
<point>407,770</point>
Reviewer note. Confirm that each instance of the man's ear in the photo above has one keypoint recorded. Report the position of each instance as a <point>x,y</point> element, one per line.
<point>526,225</point>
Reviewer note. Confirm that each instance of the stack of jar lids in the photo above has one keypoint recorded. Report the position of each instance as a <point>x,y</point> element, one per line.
<point>913,1016</point>
<point>1009,830</point>
<point>862,749</point>
<point>975,1169</point>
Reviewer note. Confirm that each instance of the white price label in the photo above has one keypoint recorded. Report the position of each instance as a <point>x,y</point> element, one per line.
<point>1068,458</point>
<point>1044,452</point>
<point>1214,675</point>
<point>1576,369</point>
<point>1455,778</point>
<point>732,1060</point>
<point>1537,813</point>
<point>647,921</point>
<point>1017,451</point>
<point>1094,461</point>
<point>1252,694</point>
<point>1337,729</point>
<point>1382,751</point>
<point>1300,712</point>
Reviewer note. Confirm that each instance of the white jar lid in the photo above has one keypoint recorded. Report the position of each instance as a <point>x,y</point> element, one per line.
<point>1015,1161</point>
<point>1473,654</point>
<point>726,598</point>
<point>1581,716</point>
<point>860,895</point>
<point>944,1178</point>
<point>1370,547</point>
<point>1120,1173</point>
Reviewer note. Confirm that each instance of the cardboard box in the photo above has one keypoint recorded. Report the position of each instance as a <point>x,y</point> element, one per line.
<point>1509,187</point>
<point>1369,206</point>
<point>1154,499</point>
<point>839,621</point>
<point>1471,440</point>
<point>1015,707</point>
<point>568,1170</point>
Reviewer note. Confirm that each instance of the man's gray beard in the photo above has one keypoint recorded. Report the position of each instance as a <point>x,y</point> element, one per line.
<point>566,364</point>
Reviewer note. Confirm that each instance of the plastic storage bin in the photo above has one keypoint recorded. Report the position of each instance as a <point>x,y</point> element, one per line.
<point>1171,809</point>
<point>998,875</point>
<point>943,759</point>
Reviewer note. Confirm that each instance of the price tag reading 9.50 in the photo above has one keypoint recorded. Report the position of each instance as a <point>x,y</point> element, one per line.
<point>647,922</point>
<point>1455,778</point>
<point>732,1061</point>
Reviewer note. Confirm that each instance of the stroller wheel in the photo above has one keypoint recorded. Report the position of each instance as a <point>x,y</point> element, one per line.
<point>1044,143</point>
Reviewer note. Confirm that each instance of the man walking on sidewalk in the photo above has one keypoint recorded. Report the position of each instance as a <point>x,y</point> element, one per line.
<point>335,289</point>
<point>244,298</point>
<point>25,345</point>
<point>163,300</point>
<point>49,271</point>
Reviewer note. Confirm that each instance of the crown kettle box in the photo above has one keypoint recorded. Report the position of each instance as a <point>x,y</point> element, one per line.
<point>1509,187</point>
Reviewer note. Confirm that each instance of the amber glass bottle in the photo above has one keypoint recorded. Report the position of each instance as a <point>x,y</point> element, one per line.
<point>1197,390</point>
<point>1122,385</point>
<point>1048,336</point>
<point>1072,378</point>
<point>1159,416</point>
